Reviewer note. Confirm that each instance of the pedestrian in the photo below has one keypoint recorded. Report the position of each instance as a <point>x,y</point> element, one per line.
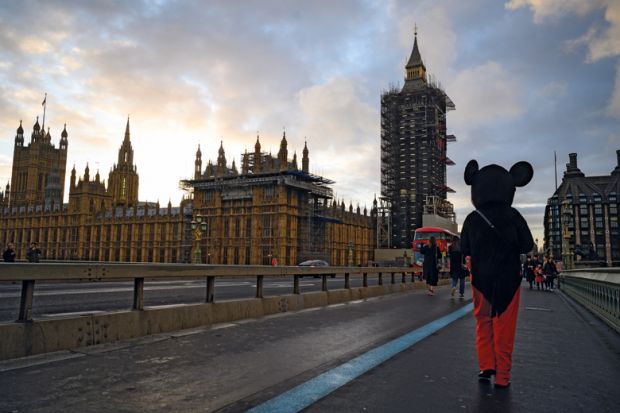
<point>495,235</point>
<point>430,266</point>
<point>555,274</point>
<point>458,269</point>
<point>538,275</point>
<point>549,273</point>
<point>529,271</point>
<point>34,253</point>
<point>9,253</point>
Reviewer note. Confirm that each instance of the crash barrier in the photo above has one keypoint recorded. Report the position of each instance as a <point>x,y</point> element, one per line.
<point>597,289</point>
<point>28,336</point>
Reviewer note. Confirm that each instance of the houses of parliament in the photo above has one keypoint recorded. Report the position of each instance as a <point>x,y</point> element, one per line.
<point>269,208</point>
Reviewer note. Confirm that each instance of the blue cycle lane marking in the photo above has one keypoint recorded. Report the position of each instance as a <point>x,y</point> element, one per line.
<point>302,396</point>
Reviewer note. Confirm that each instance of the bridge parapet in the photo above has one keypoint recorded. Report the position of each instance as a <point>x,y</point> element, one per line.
<point>27,336</point>
<point>597,289</point>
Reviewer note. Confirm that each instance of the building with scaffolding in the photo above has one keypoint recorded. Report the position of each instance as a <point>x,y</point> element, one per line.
<point>413,155</point>
<point>272,208</point>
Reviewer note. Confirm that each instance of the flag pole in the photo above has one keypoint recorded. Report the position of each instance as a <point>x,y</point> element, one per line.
<point>44,107</point>
<point>555,163</point>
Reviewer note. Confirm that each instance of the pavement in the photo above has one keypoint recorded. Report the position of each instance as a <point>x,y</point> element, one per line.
<point>565,360</point>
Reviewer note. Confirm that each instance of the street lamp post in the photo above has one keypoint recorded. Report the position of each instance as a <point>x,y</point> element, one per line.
<point>199,226</point>
<point>350,245</point>
<point>567,216</point>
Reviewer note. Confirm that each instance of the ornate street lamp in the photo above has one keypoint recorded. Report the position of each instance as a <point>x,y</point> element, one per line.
<point>567,217</point>
<point>350,245</point>
<point>199,226</point>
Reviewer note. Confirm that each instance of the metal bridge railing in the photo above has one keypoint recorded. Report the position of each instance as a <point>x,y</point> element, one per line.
<point>29,273</point>
<point>597,289</point>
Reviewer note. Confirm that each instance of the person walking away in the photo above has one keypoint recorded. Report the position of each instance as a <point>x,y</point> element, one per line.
<point>553,271</point>
<point>548,273</point>
<point>458,269</point>
<point>34,253</point>
<point>430,266</point>
<point>9,253</point>
<point>495,235</point>
<point>529,271</point>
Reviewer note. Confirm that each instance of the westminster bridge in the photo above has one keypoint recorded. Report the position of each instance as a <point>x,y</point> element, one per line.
<point>276,339</point>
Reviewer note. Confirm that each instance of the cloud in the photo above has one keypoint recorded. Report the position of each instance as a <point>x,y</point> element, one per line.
<point>545,9</point>
<point>485,93</point>
<point>613,108</point>
<point>602,41</point>
<point>336,115</point>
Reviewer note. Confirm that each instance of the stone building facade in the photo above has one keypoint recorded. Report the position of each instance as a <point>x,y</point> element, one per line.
<point>584,210</point>
<point>272,208</point>
<point>99,223</point>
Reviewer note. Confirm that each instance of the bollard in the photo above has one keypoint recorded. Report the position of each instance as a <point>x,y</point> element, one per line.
<point>393,280</point>
<point>210,289</point>
<point>404,278</point>
<point>138,293</point>
<point>365,280</point>
<point>347,280</point>
<point>25,305</point>
<point>380,278</point>
<point>259,286</point>
<point>324,283</point>
<point>296,284</point>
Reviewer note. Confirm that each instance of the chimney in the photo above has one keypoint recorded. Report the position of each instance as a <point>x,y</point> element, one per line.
<point>573,160</point>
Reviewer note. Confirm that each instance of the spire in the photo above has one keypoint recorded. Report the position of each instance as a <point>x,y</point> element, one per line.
<point>415,67</point>
<point>294,163</point>
<point>257,146</point>
<point>64,133</point>
<point>305,161</point>
<point>234,168</point>
<point>198,163</point>
<point>86,173</point>
<point>36,126</point>
<point>127,130</point>
<point>19,137</point>
<point>257,157</point>
<point>221,160</point>
<point>283,153</point>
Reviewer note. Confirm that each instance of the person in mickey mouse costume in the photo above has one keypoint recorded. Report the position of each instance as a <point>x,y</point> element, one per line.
<point>494,236</point>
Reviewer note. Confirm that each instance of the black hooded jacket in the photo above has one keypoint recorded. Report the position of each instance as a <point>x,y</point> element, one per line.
<point>495,253</point>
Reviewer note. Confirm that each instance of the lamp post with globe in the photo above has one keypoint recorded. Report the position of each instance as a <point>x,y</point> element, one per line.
<point>199,226</point>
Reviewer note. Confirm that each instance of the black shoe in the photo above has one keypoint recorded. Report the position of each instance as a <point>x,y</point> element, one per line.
<point>485,375</point>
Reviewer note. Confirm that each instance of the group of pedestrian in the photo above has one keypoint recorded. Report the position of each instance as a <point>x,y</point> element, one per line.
<point>32,255</point>
<point>540,273</point>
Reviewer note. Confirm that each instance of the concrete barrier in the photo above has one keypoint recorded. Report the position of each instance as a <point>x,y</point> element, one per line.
<point>41,336</point>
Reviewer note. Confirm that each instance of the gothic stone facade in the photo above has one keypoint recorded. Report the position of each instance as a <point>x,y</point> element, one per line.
<point>593,215</point>
<point>98,223</point>
<point>272,208</point>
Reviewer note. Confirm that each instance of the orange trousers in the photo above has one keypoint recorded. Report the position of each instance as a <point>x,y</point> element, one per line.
<point>495,336</point>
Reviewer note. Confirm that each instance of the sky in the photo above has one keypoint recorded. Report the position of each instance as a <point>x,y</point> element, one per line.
<point>528,77</point>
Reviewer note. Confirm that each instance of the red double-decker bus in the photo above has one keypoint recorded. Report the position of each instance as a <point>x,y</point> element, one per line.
<point>443,237</point>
